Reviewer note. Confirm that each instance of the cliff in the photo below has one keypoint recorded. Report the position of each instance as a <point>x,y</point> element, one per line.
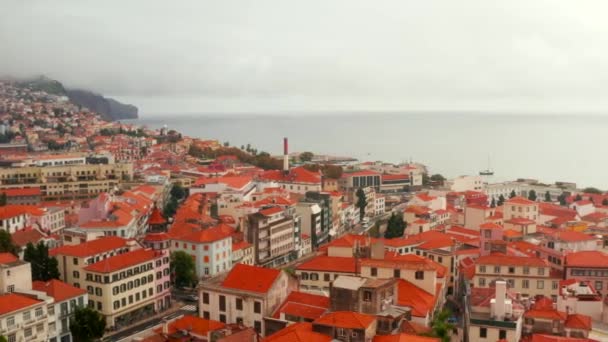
<point>109,109</point>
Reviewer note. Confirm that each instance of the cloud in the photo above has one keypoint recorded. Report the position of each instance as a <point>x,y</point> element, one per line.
<point>240,55</point>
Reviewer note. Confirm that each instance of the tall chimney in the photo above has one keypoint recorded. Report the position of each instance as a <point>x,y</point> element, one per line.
<point>285,156</point>
<point>500,305</point>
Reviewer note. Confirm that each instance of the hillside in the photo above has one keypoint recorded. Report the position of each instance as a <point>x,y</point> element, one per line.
<point>108,108</point>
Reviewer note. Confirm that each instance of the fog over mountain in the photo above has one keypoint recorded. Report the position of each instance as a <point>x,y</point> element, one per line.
<point>189,56</point>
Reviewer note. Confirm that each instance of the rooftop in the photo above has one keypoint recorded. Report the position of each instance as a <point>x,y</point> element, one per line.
<point>89,248</point>
<point>13,302</point>
<point>57,289</point>
<point>251,278</point>
<point>346,320</point>
<point>121,261</point>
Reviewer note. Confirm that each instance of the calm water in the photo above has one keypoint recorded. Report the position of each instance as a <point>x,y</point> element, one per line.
<point>548,148</point>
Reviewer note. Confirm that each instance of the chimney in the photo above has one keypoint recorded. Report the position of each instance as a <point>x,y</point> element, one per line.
<point>501,294</point>
<point>285,156</point>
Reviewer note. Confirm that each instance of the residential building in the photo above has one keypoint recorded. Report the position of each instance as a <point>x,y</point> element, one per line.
<point>296,180</point>
<point>298,307</point>
<point>28,196</point>
<point>579,297</point>
<point>245,295</point>
<point>590,266</point>
<point>346,326</point>
<point>123,288</point>
<point>210,248</point>
<point>275,233</point>
<point>316,274</point>
<point>520,207</point>
<point>243,253</point>
<point>544,318</point>
<point>465,183</point>
<point>351,181</point>
<point>312,223</point>
<point>15,274</point>
<point>23,318</point>
<point>68,182</point>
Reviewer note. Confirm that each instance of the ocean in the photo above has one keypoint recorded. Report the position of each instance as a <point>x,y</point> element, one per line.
<point>545,147</point>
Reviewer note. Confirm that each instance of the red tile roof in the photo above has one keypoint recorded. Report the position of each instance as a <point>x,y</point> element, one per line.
<point>543,309</point>
<point>22,192</point>
<point>519,200</point>
<point>464,231</point>
<point>103,244</point>
<point>404,338</point>
<point>240,245</point>
<point>508,260</point>
<point>7,258</point>
<point>13,302</point>
<point>419,300</point>
<point>156,218</point>
<point>417,210</point>
<point>22,237</point>
<point>298,332</point>
<point>425,197</point>
<point>406,261</point>
<point>349,240</point>
<point>303,304</point>
<point>295,175</point>
<point>390,177</point>
<point>205,235</point>
<point>510,233</point>
<point>271,211</point>
<point>13,210</point>
<point>520,220</point>
<point>490,225</point>
<point>330,264</point>
<point>346,320</point>
<point>57,289</point>
<point>234,182</point>
<point>587,259</point>
<point>194,324</point>
<point>118,262</point>
<point>251,278</point>
<point>157,237</point>
<point>577,321</point>
<point>551,338</point>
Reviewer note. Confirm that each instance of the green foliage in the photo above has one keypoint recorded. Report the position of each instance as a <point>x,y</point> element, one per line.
<point>562,199</point>
<point>87,324</point>
<point>395,226</point>
<point>3,339</point>
<point>440,327</point>
<point>170,208</point>
<point>605,201</point>
<point>592,190</point>
<point>6,243</point>
<point>493,203</point>
<point>7,137</point>
<point>178,191</point>
<point>512,194</point>
<point>44,267</point>
<point>547,196</point>
<point>375,230</point>
<point>55,146</point>
<point>501,200</point>
<point>328,170</point>
<point>532,195</point>
<point>306,156</point>
<point>3,199</point>
<point>44,84</point>
<point>262,160</point>
<point>183,268</point>
<point>361,203</point>
<point>436,179</point>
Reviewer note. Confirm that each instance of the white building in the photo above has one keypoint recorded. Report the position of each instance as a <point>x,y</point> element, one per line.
<point>465,183</point>
<point>211,250</point>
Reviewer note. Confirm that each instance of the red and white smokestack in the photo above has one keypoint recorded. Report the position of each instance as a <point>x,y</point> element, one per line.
<point>285,156</point>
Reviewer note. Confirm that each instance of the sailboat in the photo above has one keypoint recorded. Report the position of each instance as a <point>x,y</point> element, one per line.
<point>488,171</point>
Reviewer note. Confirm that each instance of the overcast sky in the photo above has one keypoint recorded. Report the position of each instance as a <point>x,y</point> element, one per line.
<point>209,56</point>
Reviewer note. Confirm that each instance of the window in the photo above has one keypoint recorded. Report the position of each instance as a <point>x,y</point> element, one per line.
<point>12,338</point>
<point>511,270</point>
<point>257,326</point>
<point>482,269</point>
<point>75,261</point>
<point>598,285</point>
<point>483,332</point>
<point>354,333</point>
<point>223,318</point>
<point>257,307</point>
<point>10,288</point>
<point>239,320</point>
<point>28,332</point>
<point>367,296</point>
<point>10,321</point>
<point>39,312</point>
<point>554,285</point>
<point>76,274</point>
<point>502,334</point>
<point>482,281</point>
<point>396,273</point>
<point>26,316</point>
<point>304,276</point>
<point>374,272</point>
<point>326,277</point>
<point>98,291</point>
<point>496,269</point>
<point>205,298</point>
<point>116,305</point>
<point>525,283</point>
<point>419,275</point>
<point>541,271</point>
<point>239,304</point>
<point>526,270</point>
<point>206,314</point>
<point>540,284</point>
<point>341,332</point>
<point>99,306</point>
<point>222,303</point>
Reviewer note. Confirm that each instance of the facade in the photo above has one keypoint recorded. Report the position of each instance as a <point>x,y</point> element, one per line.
<point>590,266</point>
<point>346,326</point>
<point>351,181</point>
<point>129,286</point>
<point>67,182</point>
<point>316,275</point>
<point>28,196</point>
<point>211,250</point>
<point>465,183</point>
<point>245,295</point>
<point>520,207</point>
<point>275,233</point>
<point>312,223</point>
<point>23,318</point>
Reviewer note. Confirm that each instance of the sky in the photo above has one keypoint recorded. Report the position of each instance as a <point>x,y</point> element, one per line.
<point>314,55</point>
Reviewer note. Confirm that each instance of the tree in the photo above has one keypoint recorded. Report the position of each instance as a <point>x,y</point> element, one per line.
<point>578,198</point>
<point>591,190</point>
<point>44,267</point>
<point>306,156</point>
<point>226,143</point>
<point>361,202</point>
<point>532,195</point>
<point>501,200</point>
<point>3,339</point>
<point>375,230</point>
<point>605,201</point>
<point>2,199</point>
<point>178,192</point>
<point>512,194</point>
<point>562,199</point>
<point>440,327</point>
<point>6,243</point>
<point>183,269</point>
<point>170,208</point>
<point>87,324</point>
<point>493,203</point>
<point>547,196</point>
<point>395,227</point>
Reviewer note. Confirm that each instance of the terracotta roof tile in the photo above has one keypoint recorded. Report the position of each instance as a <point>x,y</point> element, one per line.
<point>508,260</point>
<point>346,320</point>
<point>13,302</point>
<point>404,338</point>
<point>587,259</point>
<point>419,300</point>
<point>251,278</point>
<point>57,289</point>
<point>103,244</point>
<point>298,332</point>
<point>7,258</point>
<point>118,262</point>
<point>330,264</point>
<point>519,200</point>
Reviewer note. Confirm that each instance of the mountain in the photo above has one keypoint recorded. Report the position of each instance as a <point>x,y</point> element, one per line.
<point>108,108</point>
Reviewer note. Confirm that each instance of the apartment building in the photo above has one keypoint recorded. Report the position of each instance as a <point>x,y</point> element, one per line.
<point>313,222</point>
<point>27,196</point>
<point>346,326</point>
<point>16,217</point>
<point>23,318</point>
<point>245,295</point>
<point>67,182</point>
<point>66,298</point>
<point>73,258</point>
<point>15,274</point>
<point>521,207</point>
<point>275,233</point>
<point>590,266</point>
<point>528,276</point>
<point>127,287</point>
<point>351,181</point>
<point>316,274</point>
<point>211,250</point>
<point>296,180</point>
